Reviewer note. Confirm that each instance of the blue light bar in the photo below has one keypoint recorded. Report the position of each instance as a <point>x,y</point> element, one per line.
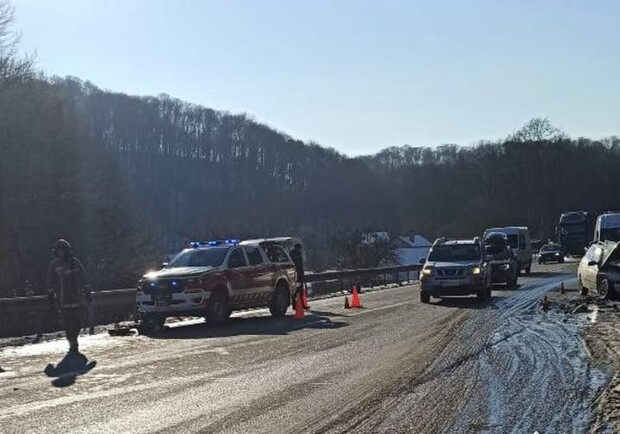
<point>213,243</point>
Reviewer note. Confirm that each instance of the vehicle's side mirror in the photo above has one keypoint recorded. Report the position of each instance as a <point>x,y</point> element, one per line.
<point>422,261</point>
<point>592,263</point>
<point>164,264</point>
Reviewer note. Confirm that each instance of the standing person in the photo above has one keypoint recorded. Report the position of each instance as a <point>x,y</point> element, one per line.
<point>298,260</point>
<point>68,291</point>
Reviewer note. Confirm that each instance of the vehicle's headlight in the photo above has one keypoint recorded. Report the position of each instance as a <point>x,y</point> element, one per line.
<point>505,267</point>
<point>475,270</point>
<point>427,271</point>
<point>557,254</point>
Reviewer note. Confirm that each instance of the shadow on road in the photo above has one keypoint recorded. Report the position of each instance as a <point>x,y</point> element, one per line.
<point>266,325</point>
<point>544,274</point>
<point>69,368</point>
<point>504,287</point>
<point>461,302</point>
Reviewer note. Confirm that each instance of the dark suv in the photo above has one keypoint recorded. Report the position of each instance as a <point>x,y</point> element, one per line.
<point>455,267</point>
<point>213,278</point>
<point>502,261</point>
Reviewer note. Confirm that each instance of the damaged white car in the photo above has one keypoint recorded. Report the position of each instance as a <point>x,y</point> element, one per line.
<point>599,269</point>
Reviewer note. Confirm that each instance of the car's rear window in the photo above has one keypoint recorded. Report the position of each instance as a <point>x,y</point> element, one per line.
<point>455,252</point>
<point>213,257</point>
<point>276,254</point>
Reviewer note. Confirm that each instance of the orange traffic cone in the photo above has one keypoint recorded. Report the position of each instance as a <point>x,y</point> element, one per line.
<point>562,289</point>
<point>355,299</point>
<point>346,303</point>
<point>299,309</point>
<point>304,298</point>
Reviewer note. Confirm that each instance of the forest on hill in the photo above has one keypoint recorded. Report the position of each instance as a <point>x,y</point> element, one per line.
<point>128,179</point>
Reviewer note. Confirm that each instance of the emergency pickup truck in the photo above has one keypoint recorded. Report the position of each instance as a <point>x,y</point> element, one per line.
<point>214,278</point>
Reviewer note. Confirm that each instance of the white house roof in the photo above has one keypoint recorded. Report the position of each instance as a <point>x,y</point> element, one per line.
<point>410,249</point>
<point>416,241</point>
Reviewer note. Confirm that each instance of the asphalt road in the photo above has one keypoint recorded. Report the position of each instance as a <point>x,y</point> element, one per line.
<point>395,366</point>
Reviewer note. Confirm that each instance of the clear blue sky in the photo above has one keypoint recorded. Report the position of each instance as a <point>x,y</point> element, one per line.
<point>354,75</point>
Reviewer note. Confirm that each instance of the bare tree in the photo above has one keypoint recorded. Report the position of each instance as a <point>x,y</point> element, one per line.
<point>361,249</point>
<point>537,130</point>
<point>12,65</point>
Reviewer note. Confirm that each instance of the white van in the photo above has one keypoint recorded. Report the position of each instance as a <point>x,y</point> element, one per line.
<point>520,243</point>
<point>607,227</point>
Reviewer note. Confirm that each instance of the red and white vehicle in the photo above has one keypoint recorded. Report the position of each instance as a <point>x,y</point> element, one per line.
<point>214,278</point>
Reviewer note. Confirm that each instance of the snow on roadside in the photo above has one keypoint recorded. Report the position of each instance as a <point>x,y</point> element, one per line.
<point>534,373</point>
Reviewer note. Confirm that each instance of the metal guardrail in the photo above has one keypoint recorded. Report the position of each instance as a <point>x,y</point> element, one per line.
<point>341,280</point>
<point>28,315</point>
<point>361,272</point>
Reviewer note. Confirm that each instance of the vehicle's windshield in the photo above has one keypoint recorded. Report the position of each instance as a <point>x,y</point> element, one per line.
<point>455,252</point>
<point>573,229</point>
<point>550,248</point>
<point>610,234</point>
<point>513,241</point>
<point>213,257</point>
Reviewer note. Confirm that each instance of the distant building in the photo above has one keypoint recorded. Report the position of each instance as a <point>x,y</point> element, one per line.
<point>409,249</point>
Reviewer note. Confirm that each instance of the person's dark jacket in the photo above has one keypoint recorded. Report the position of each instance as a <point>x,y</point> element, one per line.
<point>66,278</point>
<point>298,260</point>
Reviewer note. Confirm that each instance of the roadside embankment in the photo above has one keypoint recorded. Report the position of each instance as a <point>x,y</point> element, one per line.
<point>602,339</point>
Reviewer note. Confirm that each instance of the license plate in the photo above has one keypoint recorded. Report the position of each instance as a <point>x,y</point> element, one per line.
<point>450,283</point>
<point>161,303</point>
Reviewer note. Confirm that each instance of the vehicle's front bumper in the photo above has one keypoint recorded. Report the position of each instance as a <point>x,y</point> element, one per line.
<point>550,258</point>
<point>499,274</point>
<point>182,302</point>
<point>442,288</point>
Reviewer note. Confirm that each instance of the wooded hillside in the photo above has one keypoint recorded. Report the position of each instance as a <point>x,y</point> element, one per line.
<point>128,179</point>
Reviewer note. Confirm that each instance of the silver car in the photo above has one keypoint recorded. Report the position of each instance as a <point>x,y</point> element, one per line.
<point>455,267</point>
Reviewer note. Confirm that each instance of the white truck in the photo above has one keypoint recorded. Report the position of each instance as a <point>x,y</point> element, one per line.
<point>607,227</point>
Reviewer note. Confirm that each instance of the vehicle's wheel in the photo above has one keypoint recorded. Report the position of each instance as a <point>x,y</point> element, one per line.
<point>425,297</point>
<point>561,261</point>
<point>540,261</point>
<point>604,289</point>
<point>151,323</point>
<point>582,289</point>
<point>280,301</point>
<point>483,295</point>
<point>217,309</point>
<point>528,270</point>
<point>513,282</point>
